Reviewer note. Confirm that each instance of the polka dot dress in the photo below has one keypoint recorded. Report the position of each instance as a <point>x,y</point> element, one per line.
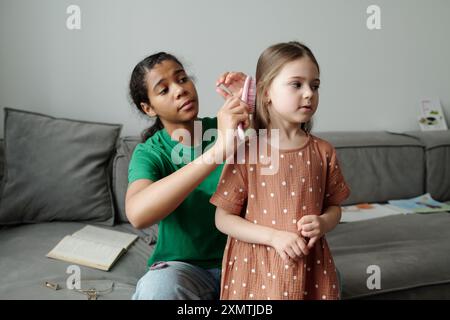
<point>307,181</point>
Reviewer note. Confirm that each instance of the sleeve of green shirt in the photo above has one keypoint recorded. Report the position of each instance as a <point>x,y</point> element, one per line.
<point>144,164</point>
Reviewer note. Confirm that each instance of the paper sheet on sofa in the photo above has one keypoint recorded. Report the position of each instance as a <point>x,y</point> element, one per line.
<point>368,211</point>
<point>422,204</point>
<point>93,247</point>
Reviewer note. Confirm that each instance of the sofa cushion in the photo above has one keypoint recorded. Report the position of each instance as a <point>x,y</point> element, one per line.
<point>120,174</point>
<point>120,182</point>
<point>379,166</point>
<point>408,252</point>
<point>437,155</point>
<point>2,160</point>
<point>56,169</point>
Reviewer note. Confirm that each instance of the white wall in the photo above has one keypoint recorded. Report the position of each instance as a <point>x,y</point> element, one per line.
<point>371,80</point>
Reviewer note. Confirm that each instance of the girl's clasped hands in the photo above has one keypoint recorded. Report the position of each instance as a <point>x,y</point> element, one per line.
<point>293,246</point>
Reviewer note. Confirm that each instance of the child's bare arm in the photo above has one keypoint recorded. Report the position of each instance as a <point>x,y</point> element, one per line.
<point>242,229</point>
<point>331,217</point>
<point>287,244</point>
<point>314,227</point>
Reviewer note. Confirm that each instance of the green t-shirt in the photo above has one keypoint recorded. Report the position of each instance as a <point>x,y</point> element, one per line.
<point>188,233</point>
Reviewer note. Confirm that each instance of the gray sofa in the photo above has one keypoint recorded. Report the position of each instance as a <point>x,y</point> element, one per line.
<point>412,251</point>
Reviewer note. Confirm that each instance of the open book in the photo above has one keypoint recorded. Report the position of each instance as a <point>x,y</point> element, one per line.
<point>93,247</point>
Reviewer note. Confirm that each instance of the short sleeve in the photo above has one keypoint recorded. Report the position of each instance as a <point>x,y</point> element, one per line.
<point>337,189</point>
<point>231,192</point>
<point>144,164</point>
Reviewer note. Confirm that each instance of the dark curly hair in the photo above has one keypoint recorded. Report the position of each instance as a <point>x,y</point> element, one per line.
<point>138,87</point>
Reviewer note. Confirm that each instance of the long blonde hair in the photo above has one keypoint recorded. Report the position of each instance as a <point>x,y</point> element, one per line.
<point>270,63</point>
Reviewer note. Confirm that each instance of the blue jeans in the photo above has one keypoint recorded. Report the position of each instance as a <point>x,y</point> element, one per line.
<point>176,280</point>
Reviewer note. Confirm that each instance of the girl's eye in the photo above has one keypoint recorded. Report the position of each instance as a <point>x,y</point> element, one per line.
<point>184,79</point>
<point>296,85</point>
<point>163,91</point>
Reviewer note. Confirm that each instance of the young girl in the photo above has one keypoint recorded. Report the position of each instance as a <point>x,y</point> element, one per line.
<point>276,224</point>
<point>185,263</point>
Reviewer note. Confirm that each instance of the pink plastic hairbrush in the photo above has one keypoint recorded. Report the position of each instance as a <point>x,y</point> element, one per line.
<point>248,96</point>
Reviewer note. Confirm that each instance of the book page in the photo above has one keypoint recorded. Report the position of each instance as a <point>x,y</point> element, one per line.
<point>422,204</point>
<point>85,252</point>
<point>353,213</point>
<point>105,236</point>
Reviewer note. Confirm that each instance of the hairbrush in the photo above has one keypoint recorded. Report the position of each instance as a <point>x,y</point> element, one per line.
<point>249,97</point>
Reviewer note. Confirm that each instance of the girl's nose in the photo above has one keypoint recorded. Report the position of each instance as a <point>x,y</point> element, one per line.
<point>179,90</point>
<point>308,93</point>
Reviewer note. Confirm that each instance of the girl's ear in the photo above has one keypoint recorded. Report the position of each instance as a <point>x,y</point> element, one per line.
<point>267,97</point>
<point>148,109</point>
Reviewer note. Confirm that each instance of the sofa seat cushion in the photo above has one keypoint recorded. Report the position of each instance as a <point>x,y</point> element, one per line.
<point>411,251</point>
<point>24,267</point>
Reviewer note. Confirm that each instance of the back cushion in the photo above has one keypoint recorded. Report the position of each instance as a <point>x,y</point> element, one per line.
<point>2,159</point>
<point>379,166</point>
<point>56,169</point>
<point>120,174</point>
<point>437,155</point>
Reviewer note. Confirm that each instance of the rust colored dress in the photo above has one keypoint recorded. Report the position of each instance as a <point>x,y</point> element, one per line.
<point>307,181</point>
